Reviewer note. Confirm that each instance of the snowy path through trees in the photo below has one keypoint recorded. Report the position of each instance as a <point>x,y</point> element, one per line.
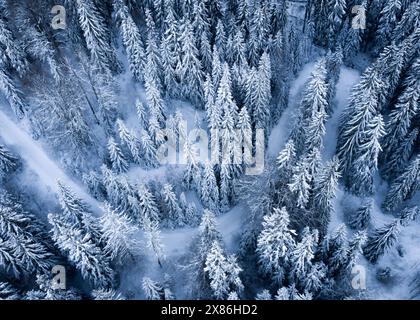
<point>48,171</point>
<point>37,160</point>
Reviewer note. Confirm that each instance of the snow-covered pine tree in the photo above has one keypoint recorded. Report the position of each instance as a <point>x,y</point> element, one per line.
<point>232,296</point>
<point>206,54</point>
<point>96,34</point>
<point>118,161</point>
<point>408,22</point>
<point>336,13</point>
<point>148,204</point>
<point>387,22</point>
<point>217,70</point>
<point>149,150</point>
<point>37,41</point>
<point>118,235</point>
<point>46,290</point>
<point>275,243</point>
<point>360,219</point>
<point>106,294</point>
<point>356,248</point>
<point>300,183</point>
<point>223,272</point>
<point>130,140</point>
<point>8,162</point>
<point>282,294</point>
<point>95,185</point>
<point>399,159</point>
<point>287,157</point>
<point>226,108</point>
<point>155,130</point>
<point>170,52</point>
<point>404,186</point>
<point>175,216</point>
<point>220,39</point>
<point>22,246</point>
<point>12,93</point>
<point>192,172</point>
<point>258,94</point>
<point>77,213</point>
<point>259,27</point>
<point>335,250</point>
<point>153,239</point>
<point>82,252</point>
<point>13,50</point>
<point>133,44</point>
<point>189,68</point>
<point>326,184</point>
<point>154,97</point>
<point>209,188</point>
<point>352,38</point>
<point>8,292</point>
<point>361,129</point>
<point>381,240</point>
<point>397,142</point>
<point>334,61</point>
<point>302,255</point>
<point>310,122</point>
<point>141,113</point>
<point>192,215</point>
<point>264,295</point>
<point>152,290</point>
<point>314,279</point>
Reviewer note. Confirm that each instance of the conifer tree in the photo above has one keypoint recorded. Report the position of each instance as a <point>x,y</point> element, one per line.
<point>153,239</point>
<point>264,295</point>
<point>356,248</point>
<point>336,250</point>
<point>360,133</point>
<point>13,94</point>
<point>13,49</point>
<point>300,183</point>
<point>326,183</point>
<point>175,217</point>
<point>148,204</point>
<point>223,272</point>
<point>360,219</point>
<point>382,240</point>
<point>82,252</point>
<point>192,171</point>
<point>149,150</point>
<point>337,11</point>
<point>106,294</point>
<point>189,68</point>
<point>302,255</point>
<point>275,244</point>
<point>117,234</point>
<point>118,161</point>
<point>133,44</point>
<point>8,292</point>
<point>152,290</point>
<point>209,188</point>
<point>96,34</point>
<point>77,212</point>
<point>8,162</point>
<point>130,140</point>
<point>404,186</point>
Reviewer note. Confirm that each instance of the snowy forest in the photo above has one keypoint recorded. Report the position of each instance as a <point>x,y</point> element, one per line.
<point>209,149</point>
